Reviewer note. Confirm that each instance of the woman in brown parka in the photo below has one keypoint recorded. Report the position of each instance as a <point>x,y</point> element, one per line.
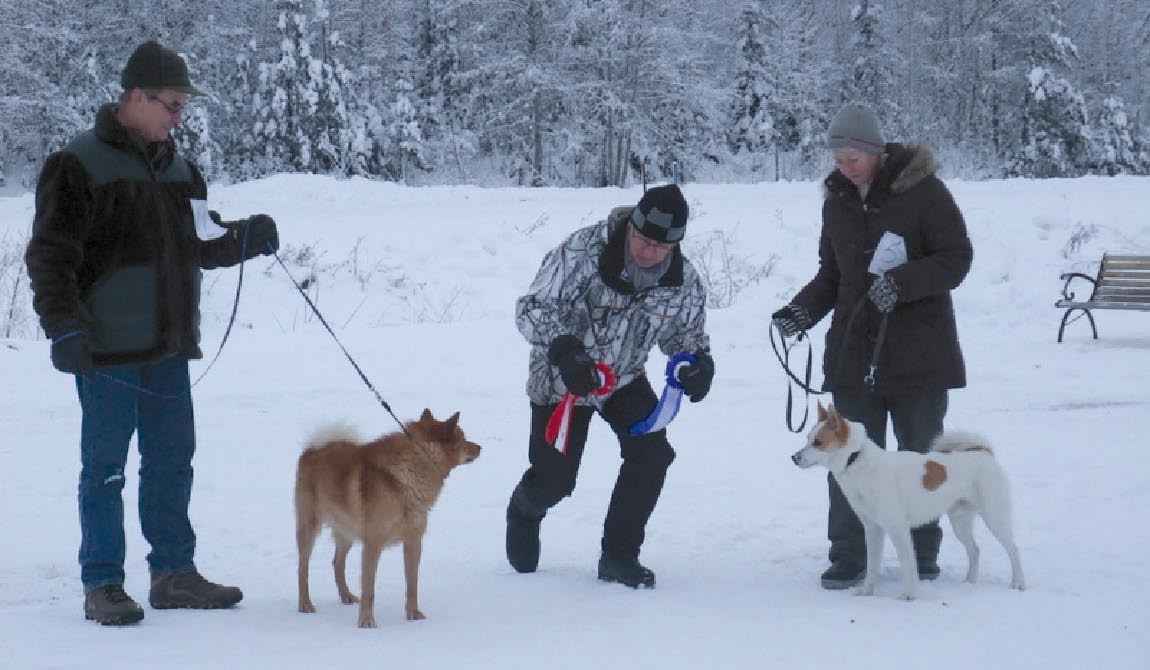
<point>885,197</point>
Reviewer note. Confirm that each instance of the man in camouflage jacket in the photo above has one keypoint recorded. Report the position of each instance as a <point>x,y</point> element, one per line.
<point>608,294</point>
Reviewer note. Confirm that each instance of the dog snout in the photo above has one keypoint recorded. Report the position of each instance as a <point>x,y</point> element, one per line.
<point>797,459</point>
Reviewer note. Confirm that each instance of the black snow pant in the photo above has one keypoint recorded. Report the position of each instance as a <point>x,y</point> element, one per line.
<point>917,419</point>
<point>551,476</point>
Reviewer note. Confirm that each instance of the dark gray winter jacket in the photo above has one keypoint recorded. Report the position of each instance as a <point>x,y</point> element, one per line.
<point>921,349</point>
<point>114,251</point>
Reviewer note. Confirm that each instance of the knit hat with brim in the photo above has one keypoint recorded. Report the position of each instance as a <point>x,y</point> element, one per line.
<point>152,66</point>
<point>661,214</point>
<point>855,127</point>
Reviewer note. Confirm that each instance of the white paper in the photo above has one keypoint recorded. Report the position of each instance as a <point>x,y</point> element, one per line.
<point>889,254</point>
<point>206,229</point>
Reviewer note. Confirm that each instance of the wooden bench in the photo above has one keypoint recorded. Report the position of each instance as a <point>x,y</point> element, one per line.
<point>1123,282</point>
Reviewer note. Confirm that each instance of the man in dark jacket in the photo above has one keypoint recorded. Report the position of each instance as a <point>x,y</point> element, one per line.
<point>893,246</point>
<point>121,233</point>
<point>609,293</point>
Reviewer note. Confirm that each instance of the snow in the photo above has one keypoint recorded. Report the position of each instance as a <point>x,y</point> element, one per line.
<point>420,284</point>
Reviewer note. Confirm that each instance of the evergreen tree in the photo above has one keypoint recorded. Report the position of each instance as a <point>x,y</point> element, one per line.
<point>404,134</point>
<point>752,128</point>
<point>302,119</point>
<point>1114,148</point>
<point>869,76</point>
<point>1055,136</point>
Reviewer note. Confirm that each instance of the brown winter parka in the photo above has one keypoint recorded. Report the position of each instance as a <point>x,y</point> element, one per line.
<point>921,348</point>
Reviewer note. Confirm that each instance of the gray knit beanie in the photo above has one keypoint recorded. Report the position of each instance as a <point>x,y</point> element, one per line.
<point>855,127</point>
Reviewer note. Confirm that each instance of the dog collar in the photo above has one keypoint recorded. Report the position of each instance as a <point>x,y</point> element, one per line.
<point>852,458</point>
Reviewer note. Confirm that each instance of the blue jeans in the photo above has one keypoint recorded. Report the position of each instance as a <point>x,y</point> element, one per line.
<point>161,417</point>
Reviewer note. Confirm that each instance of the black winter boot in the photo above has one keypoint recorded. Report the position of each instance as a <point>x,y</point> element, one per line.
<point>522,539</point>
<point>626,571</point>
<point>842,575</point>
<point>928,569</point>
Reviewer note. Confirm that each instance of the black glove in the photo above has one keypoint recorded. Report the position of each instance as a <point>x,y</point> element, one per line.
<point>792,320</point>
<point>696,377</point>
<point>578,371</point>
<point>883,293</point>
<point>70,354</point>
<point>263,237</point>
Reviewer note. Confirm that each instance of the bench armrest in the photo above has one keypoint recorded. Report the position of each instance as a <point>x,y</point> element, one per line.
<point>1068,277</point>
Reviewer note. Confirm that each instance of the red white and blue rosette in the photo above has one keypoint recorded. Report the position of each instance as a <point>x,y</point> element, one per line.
<point>558,426</point>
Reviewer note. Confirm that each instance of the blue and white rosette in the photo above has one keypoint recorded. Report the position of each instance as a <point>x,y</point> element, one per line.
<point>669,401</point>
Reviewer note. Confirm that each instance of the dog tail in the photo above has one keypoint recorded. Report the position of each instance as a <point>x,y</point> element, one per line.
<point>336,432</point>
<point>960,441</point>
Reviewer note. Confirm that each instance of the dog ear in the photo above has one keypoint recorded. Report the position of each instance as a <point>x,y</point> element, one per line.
<point>452,422</point>
<point>426,417</point>
<point>833,418</point>
<point>822,412</point>
<point>839,425</point>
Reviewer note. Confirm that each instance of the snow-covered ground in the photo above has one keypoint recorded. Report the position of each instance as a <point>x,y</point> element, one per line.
<point>420,285</point>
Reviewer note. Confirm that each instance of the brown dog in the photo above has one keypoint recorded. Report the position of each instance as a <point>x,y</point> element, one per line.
<point>379,493</point>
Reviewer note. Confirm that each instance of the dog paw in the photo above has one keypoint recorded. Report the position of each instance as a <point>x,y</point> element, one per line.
<point>1018,586</point>
<point>415,615</point>
<point>865,590</point>
<point>348,599</point>
<point>907,596</point>
<point>306,608</point>
<point>367,622</point>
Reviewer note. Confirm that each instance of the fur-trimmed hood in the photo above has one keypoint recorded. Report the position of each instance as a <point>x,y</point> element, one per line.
<point>904,166</point>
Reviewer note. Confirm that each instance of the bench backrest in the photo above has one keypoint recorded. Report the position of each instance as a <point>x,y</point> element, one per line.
<point>1124,279</point>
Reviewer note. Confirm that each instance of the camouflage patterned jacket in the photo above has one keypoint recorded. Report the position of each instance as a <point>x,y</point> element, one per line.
<point>581,290</point>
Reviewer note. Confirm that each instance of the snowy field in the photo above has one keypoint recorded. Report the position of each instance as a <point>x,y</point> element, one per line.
<point>420,285</point>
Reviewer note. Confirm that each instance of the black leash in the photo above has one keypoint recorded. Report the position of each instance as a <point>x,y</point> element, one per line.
<point>331,332</point>
<point>784,359</point>
<point>805,383</point>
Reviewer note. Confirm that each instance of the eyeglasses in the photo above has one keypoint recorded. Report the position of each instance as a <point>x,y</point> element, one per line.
<point>649,243</point>
<point>175,109</point>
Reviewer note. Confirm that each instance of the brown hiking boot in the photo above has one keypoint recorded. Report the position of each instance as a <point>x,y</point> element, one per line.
<point>191,591</point>
<point>110,606</point>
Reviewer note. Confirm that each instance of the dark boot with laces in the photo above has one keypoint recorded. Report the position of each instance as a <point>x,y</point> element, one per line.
<point>191,591</point>
<point>110,606</point>
<point>625,571</point>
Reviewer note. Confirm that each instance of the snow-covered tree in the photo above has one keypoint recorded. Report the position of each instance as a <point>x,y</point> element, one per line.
<point>1113,146</point>
<point>752,128</point>
<point>302,118</point>
<point>1055,137</point>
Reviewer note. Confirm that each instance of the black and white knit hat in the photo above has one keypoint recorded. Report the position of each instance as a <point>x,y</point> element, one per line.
<point>661,214</point>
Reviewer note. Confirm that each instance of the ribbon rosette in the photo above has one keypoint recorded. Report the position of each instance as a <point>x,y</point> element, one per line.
<point>560,421</point>
<point>670,400</point>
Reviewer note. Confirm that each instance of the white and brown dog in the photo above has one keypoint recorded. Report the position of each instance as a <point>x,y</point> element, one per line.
<point>893,492</point>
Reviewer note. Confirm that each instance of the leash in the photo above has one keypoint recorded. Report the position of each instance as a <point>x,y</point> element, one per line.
<point>559,424</point>
<point>784,361</point>
<point>331,332</point>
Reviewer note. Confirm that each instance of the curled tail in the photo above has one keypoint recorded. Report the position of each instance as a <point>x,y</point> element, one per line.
<point>953,441</point>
